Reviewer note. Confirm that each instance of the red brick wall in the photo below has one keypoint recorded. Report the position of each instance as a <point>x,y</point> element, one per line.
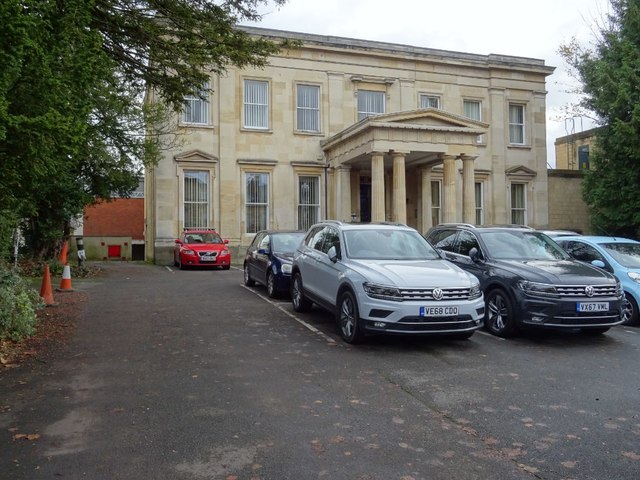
<point>120,217</point>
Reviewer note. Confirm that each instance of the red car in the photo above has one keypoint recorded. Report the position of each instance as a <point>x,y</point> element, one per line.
<point>201,247</point>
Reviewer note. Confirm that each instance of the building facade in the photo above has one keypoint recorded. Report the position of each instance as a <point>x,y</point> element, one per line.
<point>572,151</point>
<point>354,130</point>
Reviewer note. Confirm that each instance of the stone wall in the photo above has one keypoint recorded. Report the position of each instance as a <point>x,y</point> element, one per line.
<point>567,210</point>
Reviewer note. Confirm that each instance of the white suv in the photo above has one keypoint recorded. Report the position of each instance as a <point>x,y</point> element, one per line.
<point>383,278</point>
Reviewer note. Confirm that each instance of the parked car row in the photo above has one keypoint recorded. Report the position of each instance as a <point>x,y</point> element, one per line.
<point>387,278</point>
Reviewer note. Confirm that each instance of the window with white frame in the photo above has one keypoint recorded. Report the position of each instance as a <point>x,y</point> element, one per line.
<point>429,101</point>
<point>196,110</point>
<point>436,203</point>
<point>308,201</point>
<point>516,124</point>
<point>196,199</point>
<point>473,109</point>
<point>370,103</point>
<point>256,104</point>
<point>308,108</point>
<point>479,203</point>
<point>519,203</point>
<point>256,201</point>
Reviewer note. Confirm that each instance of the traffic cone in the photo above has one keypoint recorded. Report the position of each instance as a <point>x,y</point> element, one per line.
<point>65,284</point>
<point>62,258</point>
<point>45,289</point>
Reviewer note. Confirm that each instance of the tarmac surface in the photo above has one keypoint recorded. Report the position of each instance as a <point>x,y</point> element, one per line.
<point>190,375</point>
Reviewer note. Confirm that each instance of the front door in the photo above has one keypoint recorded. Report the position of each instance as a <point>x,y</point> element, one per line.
<point>365,199</point>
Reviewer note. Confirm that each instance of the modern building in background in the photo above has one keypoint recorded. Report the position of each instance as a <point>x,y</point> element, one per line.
<point>572,151</point>
<point>350,129</point>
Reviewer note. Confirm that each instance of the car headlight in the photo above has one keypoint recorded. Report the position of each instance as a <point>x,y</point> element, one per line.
<point>634,276</point>
<point>286,268</point>
<point>188,252</point>
<point>538,289</point>
<point>475,291</point>
<point>382,292</point>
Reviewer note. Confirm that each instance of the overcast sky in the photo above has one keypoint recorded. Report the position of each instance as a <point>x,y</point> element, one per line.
<point>510,27</point>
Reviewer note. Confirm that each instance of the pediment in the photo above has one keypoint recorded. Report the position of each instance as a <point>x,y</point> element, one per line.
<point>428,116</point>
<point>195,156</point>
<point>520,171</point>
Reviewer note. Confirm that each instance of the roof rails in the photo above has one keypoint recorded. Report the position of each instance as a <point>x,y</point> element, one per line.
<point>454,224</point>
<point>213,229</point>
<point>510,225</point>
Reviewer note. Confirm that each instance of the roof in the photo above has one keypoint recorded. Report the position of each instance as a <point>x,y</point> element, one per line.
<point>599,239</point>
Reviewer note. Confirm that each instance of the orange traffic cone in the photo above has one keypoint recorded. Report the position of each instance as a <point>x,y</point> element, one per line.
<point>62,258</point>
<point>45,289</point>
<point>65,284</point>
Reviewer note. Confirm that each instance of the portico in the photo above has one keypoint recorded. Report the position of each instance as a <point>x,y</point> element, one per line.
<point>388,149</point>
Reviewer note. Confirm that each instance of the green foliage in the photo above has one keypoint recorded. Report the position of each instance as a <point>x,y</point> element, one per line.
<point>19,305</point>
<point>72,85</point>
<point>610,74</point>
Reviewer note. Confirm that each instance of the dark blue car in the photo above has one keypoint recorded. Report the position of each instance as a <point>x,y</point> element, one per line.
<point>268,259</point>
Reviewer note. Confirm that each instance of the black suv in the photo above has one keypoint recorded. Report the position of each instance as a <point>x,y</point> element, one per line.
<point>528,280</point>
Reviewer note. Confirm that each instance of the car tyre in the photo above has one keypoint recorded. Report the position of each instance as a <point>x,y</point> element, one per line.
<point>348,318</point>
<point>248,281</point>
<point>629,310</point>
<point>271,285</point>
<point>299,301</point>
<point>499,317</point>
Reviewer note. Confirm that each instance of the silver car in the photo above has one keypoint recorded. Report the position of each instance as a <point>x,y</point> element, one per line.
<point>383,278</point>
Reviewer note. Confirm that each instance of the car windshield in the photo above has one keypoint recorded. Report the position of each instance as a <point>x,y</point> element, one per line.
<point>388,244</point>
<point>202,237</point>
<point>626,254</point>
<point>286,242</point>
<point>521,245</point>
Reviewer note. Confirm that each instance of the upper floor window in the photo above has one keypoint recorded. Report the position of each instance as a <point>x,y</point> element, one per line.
<point>196,199</point>
<point>196,110</point>
<point>429,101</point>
<point>516,124</point>
<point>473,110</point>
<point>370,103</point>
<point>308,108</point>
<point>256,104</point>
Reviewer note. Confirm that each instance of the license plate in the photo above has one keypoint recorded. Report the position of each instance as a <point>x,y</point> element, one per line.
<point>207,259</point>
<point>592,307</point>
<point>438,311</point>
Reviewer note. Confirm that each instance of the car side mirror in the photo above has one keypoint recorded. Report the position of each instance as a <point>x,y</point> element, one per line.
<point>178,241</point>
<point>226,241</point>
<point>598,263</point>
<point>333,254</point>
<point>474,255</point>
<point>263,251</point>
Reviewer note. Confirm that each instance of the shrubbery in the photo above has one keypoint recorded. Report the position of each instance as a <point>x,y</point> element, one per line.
<point>18,305</point>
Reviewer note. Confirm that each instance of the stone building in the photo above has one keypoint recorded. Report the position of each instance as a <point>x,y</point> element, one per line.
<point>572,151</point>
<point>355,130</point>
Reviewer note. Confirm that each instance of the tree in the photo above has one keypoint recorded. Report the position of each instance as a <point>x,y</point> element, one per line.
<point>610,76</point>
<point>71,94</point>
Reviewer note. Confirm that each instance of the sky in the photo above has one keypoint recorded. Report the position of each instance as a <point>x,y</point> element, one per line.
<point>524,28</point>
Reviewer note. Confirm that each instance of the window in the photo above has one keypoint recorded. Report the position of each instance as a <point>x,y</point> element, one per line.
<point>308,201</point>
<point>370,103</point>
<point>473,110</point>
<point>196,110</point>
<point>436,203</point>
<point>479,203</point>
<point>308,108</point>
<point>518,204</point>
<point>257,201</point>
<point>516,124</point>
<point>429,101</point>
<point>466,241</point>
<point>196,199</point>
<point>256,104</point>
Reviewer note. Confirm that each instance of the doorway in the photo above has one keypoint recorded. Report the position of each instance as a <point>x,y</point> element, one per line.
<point>365,199</point>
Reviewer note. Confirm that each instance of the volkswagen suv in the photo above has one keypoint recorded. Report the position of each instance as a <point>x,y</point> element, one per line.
<point>528,280</point>
<point>383,278</point>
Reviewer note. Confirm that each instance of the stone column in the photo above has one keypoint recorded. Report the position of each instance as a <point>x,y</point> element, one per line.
<point>344,194</point>
<point>468,189</point>
<point>399,188</point>
<point>377,187</point>
<point>449,187</point>
<point>426,219</point>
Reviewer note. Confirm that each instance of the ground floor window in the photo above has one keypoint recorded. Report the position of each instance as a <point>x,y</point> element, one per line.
<point>256,201</point>
<point>308,201</point>
<point>196,199</point>
<point>436,203</point>
<point>518,204</point>
<point>479,203</point>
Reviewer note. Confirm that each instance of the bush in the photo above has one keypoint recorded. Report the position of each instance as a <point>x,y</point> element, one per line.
<point>19,303</point>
